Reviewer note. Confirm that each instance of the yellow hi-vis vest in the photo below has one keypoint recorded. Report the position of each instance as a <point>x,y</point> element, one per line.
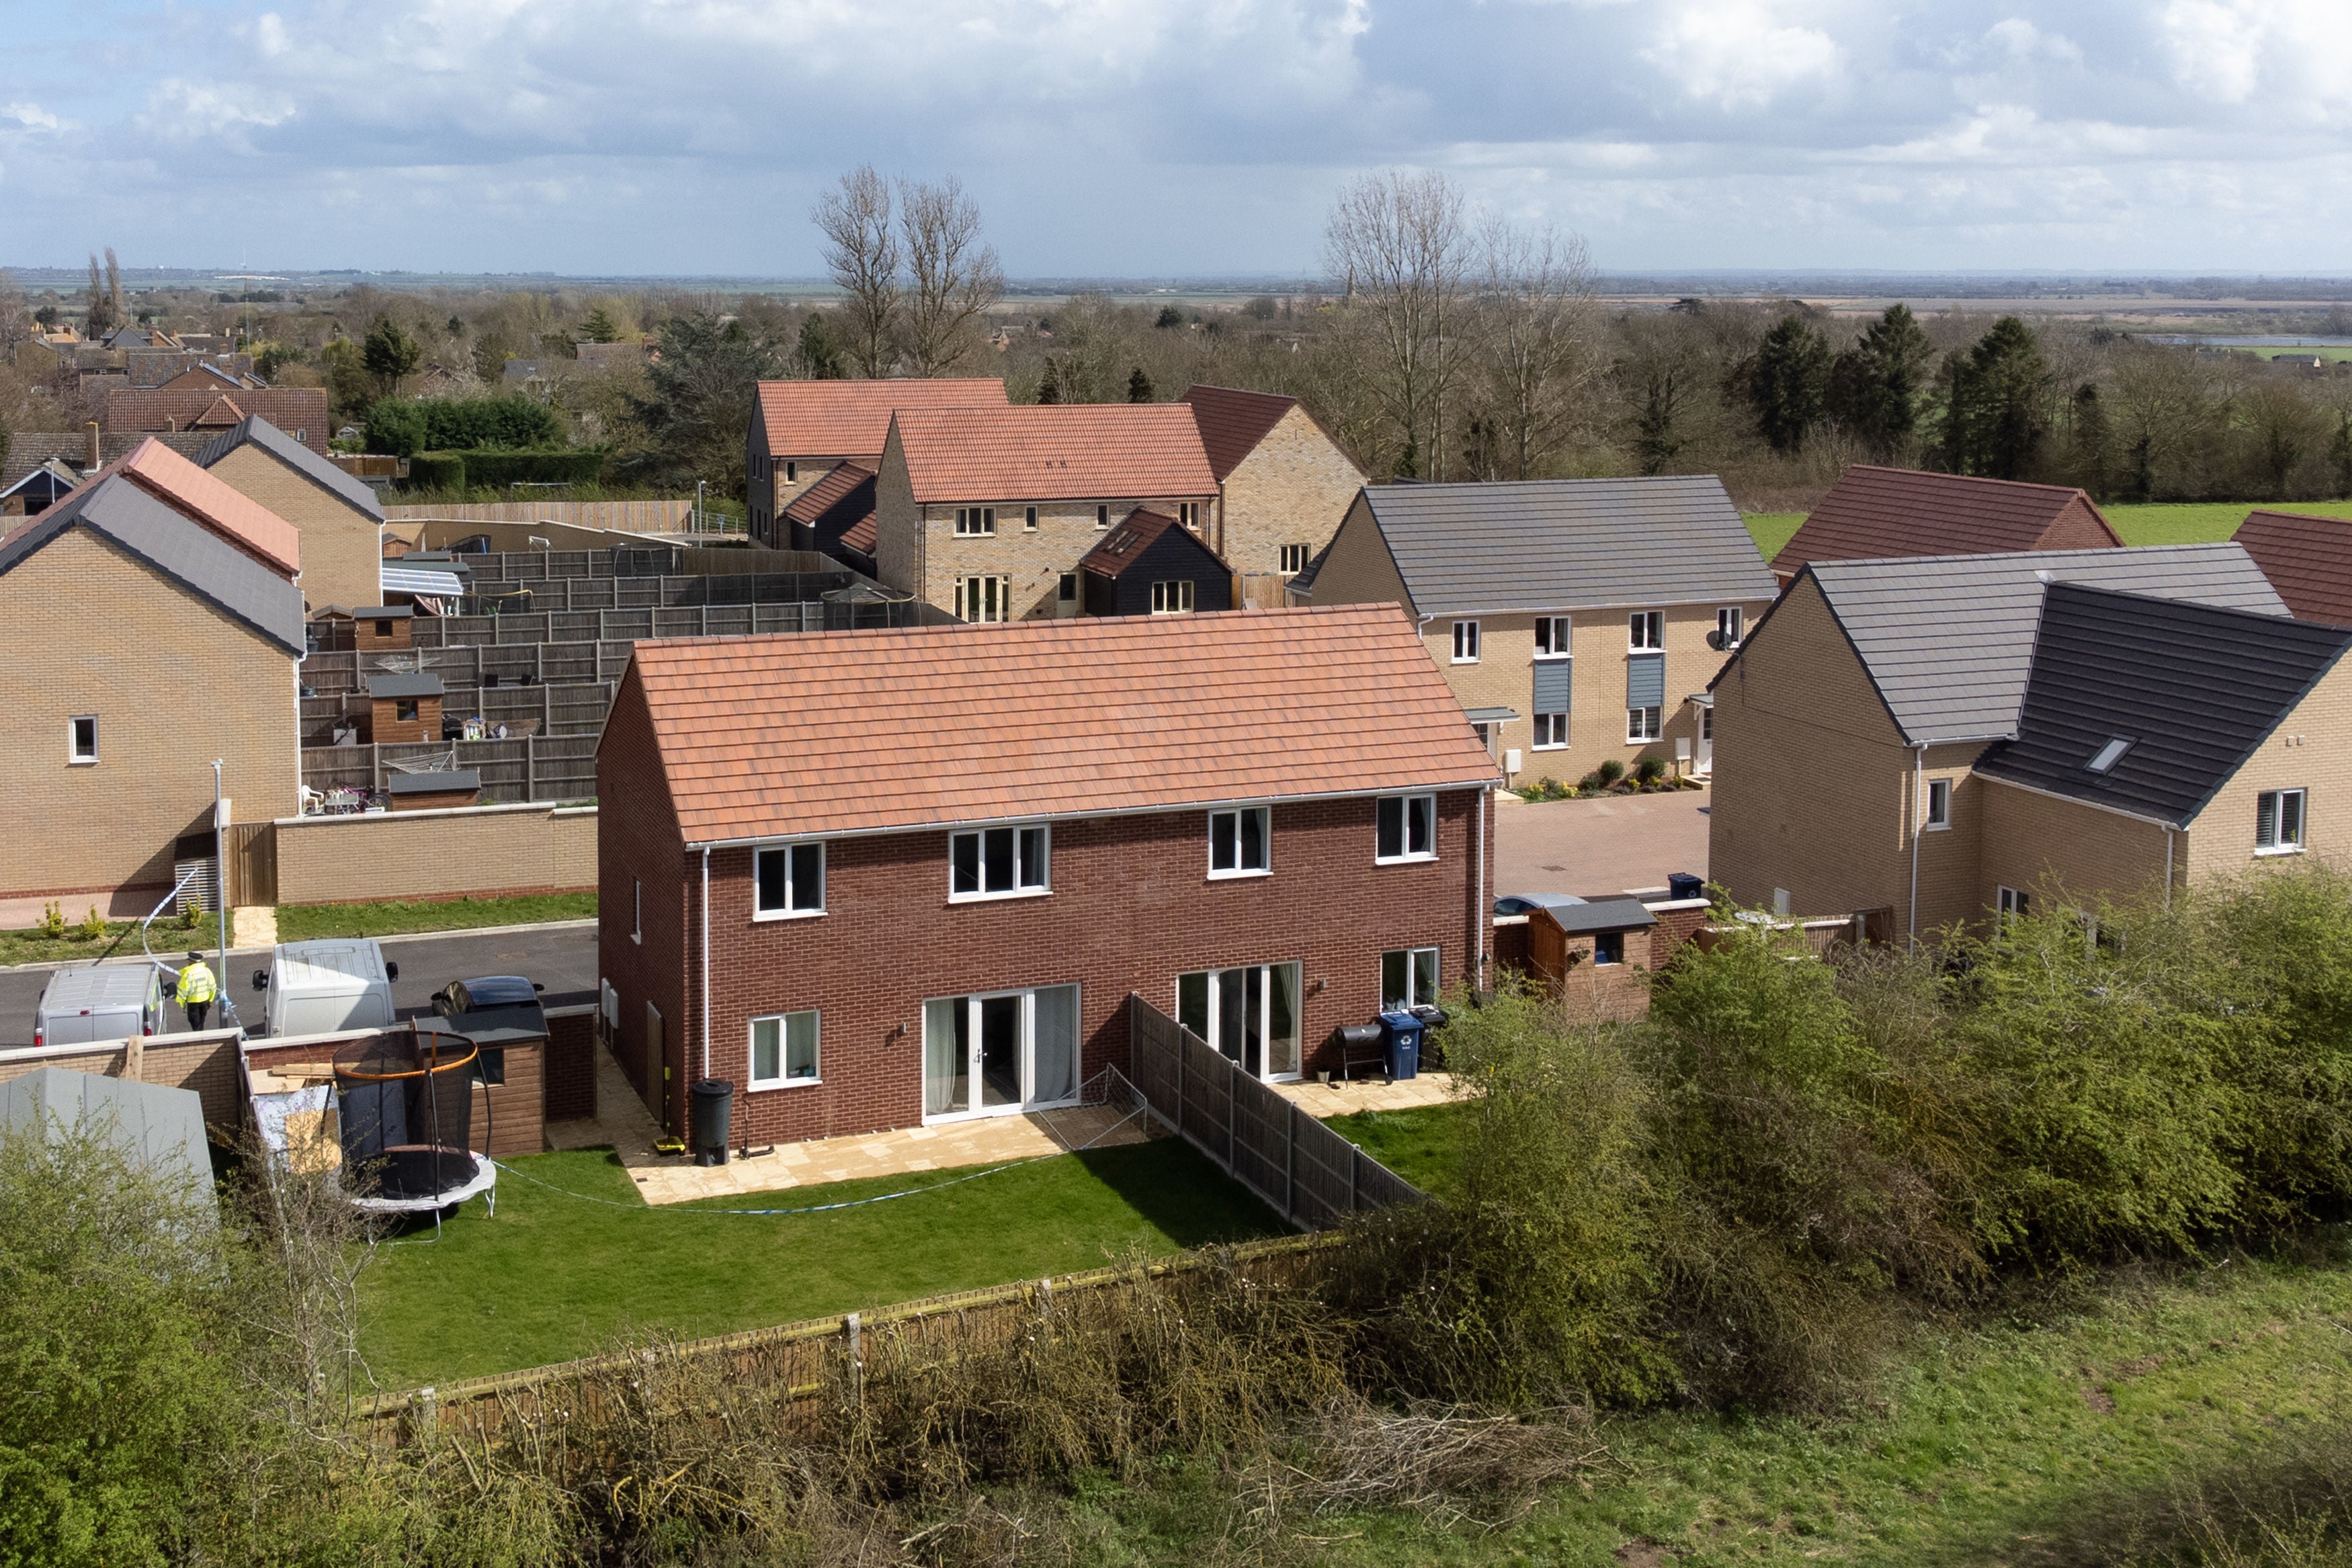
<point>196,984</point>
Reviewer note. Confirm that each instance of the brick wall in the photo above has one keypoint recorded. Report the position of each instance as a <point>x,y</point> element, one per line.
<point>174,682</point>
<point>1359,570</point>
<point>1131,909</point>
<point>507,1119</point>
<point>1293,488</point>
<point>342,550</point>
<point>570,1065</point>
<point>2311,751</point>
<point>205,1063</point>
<point>476,851</point>
<point>2076,527</point>
<point>640,846</point>
<point>2059,849</point>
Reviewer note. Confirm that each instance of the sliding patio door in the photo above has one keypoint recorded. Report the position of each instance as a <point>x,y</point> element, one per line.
<point>1249,1015</point>
<point>999,1051</point>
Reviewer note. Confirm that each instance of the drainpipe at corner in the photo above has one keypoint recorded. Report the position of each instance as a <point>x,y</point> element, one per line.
<point>706,960</point>
<point>1482,923</point>
<point>2168,866</point>
<point>1919,783</point>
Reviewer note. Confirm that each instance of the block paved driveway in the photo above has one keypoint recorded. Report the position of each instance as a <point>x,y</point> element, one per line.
<point>1605,846</point>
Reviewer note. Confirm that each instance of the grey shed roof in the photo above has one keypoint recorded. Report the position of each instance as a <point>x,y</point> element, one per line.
<point>1569,544</point>
<point>2193,690</point>
<point>1600,914</point>
<point>119,511</point>
<point>1948,640</point>
<point>159,1126</point>
<point>257,430</point>
<point>404,684</point>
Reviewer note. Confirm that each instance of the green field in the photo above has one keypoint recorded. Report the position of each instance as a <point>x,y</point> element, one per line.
<point>2163,523</point>
<point>555,1277</point>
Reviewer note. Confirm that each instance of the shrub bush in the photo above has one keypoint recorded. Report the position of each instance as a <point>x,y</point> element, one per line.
<point>405,426</point>
<point>436,471</point>
<point>499,469</point>
<point>1610,771</point>
<point>1649,769</point>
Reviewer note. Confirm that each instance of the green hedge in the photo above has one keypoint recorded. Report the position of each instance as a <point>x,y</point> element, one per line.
<point>405,426</point>
<point>437,471</point>
<point>497,470</point>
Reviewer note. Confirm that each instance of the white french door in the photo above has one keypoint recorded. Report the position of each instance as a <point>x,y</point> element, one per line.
<point>1249,1015</point>
<point>995,1053</point>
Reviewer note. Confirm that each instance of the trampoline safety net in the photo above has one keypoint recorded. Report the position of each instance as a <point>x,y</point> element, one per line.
<point>406,1103</point>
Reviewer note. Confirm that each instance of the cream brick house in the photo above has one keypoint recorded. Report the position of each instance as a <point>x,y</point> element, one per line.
<point>802,430</point>
<point>987,512</point>
<point>154,625</point>
<point>1910,735</point>
<point>340,518</point>
<point>1577,620</point>
<point>1283,484</point>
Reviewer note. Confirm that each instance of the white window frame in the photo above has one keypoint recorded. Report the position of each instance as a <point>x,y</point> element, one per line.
<point>1731,625</point>
<point>2278,842</point>
<point>75,755</point>
<point>1189,513</point>
<point>1551,732</point>
<point>975,522</point>
<point>1650,624</point>
<point>1936,812</point>
<point>2012,903</point>
<point>1102,517</point>
<point>1555,637</point>
<point>1231,821</point>
<point>1465,641</point>
<point>973,1110</point>
<point>1598,938</point>
<point>1407,807</point>
<point>1019,888</point>
<point>1643,724</point>
<point>1412,977</point>
<point>1294,559</point>
<point>636,910</point>
<point>968,596</point>
<point>791,909</point>
<point>1176,589</point>
<point>785,1077</point>
<point>1065,588</point>
<point>1213,984</point>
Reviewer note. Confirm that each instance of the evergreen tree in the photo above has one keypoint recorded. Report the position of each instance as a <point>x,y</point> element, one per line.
<point>599,328</point>
<point>457,326</point>
<point>819,355</point>
<point>1169,317</point>
<point>2090,443</point>
<point>1995,418</point>
<point>2339,454</point>
<point>1788,383</point>
<point>1655,439</point>
<point>1875,386</point>
<point>1049,386</point>
<point>1139,387</point>
<point>389,354</point>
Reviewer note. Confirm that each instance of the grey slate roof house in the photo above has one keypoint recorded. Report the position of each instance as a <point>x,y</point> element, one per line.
<point>1577,619</point>
<point>1951,739</point>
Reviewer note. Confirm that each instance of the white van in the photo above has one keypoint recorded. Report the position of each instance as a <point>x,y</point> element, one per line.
<point>319,988</point>
<point>111,1002</point>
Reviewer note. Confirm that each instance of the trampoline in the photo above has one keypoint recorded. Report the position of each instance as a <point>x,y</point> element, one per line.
<point>404,1105</point>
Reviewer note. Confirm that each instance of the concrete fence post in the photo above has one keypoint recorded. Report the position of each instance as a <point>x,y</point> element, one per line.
<point>853,1336</point>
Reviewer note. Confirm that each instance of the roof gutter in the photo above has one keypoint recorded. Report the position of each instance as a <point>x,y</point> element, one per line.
<point>2166,823</point>
<point>1489,782</point>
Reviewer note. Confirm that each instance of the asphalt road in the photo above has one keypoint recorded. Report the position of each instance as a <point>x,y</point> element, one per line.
<point>561,957</point>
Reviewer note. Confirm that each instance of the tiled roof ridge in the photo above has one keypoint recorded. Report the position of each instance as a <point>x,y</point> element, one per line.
<point>663,647</point>
<point>1937,475</point>
<point>180,484</point>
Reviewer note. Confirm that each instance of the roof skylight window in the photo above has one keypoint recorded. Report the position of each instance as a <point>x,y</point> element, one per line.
<point>2110,755</point>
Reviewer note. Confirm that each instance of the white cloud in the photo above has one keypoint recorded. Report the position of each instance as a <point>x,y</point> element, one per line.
<point>31,116</point>
<point>1739,54</point>
<point>2021,40</point>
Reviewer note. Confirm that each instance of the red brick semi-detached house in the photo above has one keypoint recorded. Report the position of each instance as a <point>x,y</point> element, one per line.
<point>928,866</point>
<point>1877,514</point>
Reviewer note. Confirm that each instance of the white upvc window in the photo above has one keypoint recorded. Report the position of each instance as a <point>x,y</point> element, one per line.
<point>1240,842</point>
<point>1551,731</point>
<point>1465,641</point>
<point>1189,513</point>
<point>784,1049</point>
<point>787,881</point>
<point>1939,804</point>
<point>1729,625</point>
<point>979,599</point>
<point>1407,829</point>
<point>2013,904</point>
<point>1646,631</point>
<point>1294,559</point>
<point>999,863</point>
<point>81,740</point>
<point>2279,822</point>
<point>1248,1014</point>
<point>1172,597</point>
<point>1000,1052</point>
<point>1643,723</point>
<point>1409,978</point>
<point>1552,639</point>
<point>975,521</point>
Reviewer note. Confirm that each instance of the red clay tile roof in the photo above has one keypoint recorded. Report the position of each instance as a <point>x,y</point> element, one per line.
<point>825,504</point>
<point>2308,559</point>
<point>1054,452</point>
<point>1875,513</point>
<point>212,501</point>
<point>851,418</point>
<point>1233,422</point>
<point>290,409</point>
<point>1123,545</point>
<point>848,732</point>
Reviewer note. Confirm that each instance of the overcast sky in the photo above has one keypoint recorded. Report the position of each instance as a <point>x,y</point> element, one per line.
<point>1133,138</point>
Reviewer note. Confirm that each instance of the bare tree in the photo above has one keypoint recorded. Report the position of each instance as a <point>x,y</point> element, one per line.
<point>1399,243</point>
<point>953,277</point>
<point>1535,325</point>
<point>862,257</point>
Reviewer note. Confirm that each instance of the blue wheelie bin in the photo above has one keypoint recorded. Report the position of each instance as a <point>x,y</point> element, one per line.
<point>1401,1044</point>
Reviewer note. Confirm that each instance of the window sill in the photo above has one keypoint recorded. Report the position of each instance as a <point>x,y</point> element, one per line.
<point>1935,828</point>
<point>763,1088</point>
<point>1460,661</point>
<point>999,897</point>
<point>82,762</point>
<point>2281,849</point>
<point>1240,875</point>
<point>1403,860</point>
<point>1550,745</point>
<point>761,916</point>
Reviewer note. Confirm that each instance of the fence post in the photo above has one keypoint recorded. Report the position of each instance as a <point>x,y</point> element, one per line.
<point>851,1331</point>
<point>529,768</point>
<point>1355,1159</point>
<point>1290,1163</point>
<point>1230,1098</point>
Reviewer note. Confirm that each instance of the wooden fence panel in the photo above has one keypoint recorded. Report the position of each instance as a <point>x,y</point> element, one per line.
<point>251,849</point>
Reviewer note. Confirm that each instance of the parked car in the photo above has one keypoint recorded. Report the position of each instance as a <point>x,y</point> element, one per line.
<point>325,985</point>
<point>111,1002</point>
<point>1528,903</point>
<point>491,1012</point>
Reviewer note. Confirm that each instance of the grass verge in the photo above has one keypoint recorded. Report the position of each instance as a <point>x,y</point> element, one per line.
<point>167,935</point>
<point>301,922</point>
<point>554,1276</point>
<point>1423,1144</point>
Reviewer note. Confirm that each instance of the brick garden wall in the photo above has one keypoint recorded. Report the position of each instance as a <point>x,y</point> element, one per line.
<point>476,852</point>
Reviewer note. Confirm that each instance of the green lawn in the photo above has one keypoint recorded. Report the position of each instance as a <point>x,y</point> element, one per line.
<point>168,936</point>
<point>552,1278</point>
<point>1771,529</point>
<point>1423,1145</point>
<point>2165,523</point>
<point>301,922</point>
